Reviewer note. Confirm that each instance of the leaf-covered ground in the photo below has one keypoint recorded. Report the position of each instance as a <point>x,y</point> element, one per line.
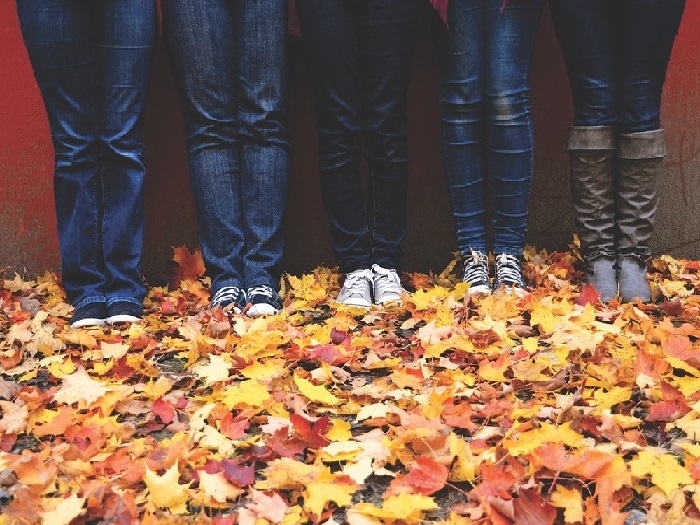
<point>547,409</point>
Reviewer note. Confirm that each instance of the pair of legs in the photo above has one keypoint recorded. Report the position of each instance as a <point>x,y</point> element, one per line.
<point>229,60</point>
<point>617,55</point>
<point>92,63</point>
<point>359,53</point>
<point>486,52</point>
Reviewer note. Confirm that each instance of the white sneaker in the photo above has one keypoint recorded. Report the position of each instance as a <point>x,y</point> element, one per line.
<point>387,285</point>
<point>357,289</point>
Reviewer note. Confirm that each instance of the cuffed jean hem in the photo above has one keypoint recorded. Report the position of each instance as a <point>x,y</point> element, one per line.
<point>118,299</point>
<point>89,300</point>
<point>518,252</point>
<point>470,249</point>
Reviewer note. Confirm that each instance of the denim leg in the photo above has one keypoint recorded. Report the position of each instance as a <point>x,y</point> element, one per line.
<point>59,36</point>
<point>387,40</point>
<point>330,36</point>
<point>510,44</point>
<point>586,31</point>
<point>125,35</point>
<point>463,133</point>
<point>201,44</point>
<point>645,31</point>
<point>260,30</point>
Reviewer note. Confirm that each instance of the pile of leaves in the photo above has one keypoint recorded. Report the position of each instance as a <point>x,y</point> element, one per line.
<point>550,408</point>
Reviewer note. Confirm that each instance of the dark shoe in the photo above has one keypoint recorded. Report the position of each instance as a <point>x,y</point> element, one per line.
<point>264,300</point>
<point>476,273</point>
<point>230,298</point>
<point>124,312</point>
<point>591,161</point>
<point>91,314</point>
<point>602,274</point>
<point>509,275</point>
<point>633,280</point>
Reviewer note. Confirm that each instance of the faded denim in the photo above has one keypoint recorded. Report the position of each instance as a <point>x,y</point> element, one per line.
<point>487,134</point>
<point>616,54</point>
<point>92,61</point>
<point>229,60</point>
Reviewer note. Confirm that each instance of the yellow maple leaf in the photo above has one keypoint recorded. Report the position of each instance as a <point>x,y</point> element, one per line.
<point>214,371</point>
<point>543,317</point>
<point>404,506</point>
<point>79,386</point>
<point>66,511</point>
<point>165,491</point>
<point>317,393</point>
<point>666,473</point>
<point>14,417</point>
<point>250,393</point>
<point>571,501</point>
<point>526,442</point>
<point>318,495</point>
<point>217,488</point>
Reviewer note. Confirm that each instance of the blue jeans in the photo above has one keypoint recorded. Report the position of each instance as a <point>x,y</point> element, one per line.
<point>486,118</point>
<point>229,60</point>
<point>617,53</point>
<point>92,62</point>
<point>359,53</point>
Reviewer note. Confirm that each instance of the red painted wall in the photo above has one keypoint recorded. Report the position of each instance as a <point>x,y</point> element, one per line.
<point>27,224</point>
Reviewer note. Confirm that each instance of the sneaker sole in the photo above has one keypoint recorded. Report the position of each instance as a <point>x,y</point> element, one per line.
<point>395,299</point>
<point>89,321</point>
<point>356,304</point>
<point>482,289</point>
<point>259,310</point>
<point>123,318</point>
<point>512,290</point>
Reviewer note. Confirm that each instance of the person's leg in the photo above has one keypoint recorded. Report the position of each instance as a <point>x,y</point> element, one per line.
<point>260,32</point>
<point>59,36</point>
<point>461,51</point>
<point>387,40</point>
<point>125,32</point>
<point>586,31</point>
<point>510,45</point>
<point>201,44</point>
<point>330,37</point>
<point>646,32</point>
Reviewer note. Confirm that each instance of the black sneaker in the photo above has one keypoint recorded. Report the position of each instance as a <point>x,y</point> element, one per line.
<point>476,273</point>
<point>509,274</point>
<point>231,298</point>
<point>264,300</point>
<point>124,312</point>
<point>91,314</point>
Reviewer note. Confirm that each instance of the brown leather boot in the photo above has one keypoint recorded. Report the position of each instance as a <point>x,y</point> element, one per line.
<point>592,156</point>
<point>640,167</point>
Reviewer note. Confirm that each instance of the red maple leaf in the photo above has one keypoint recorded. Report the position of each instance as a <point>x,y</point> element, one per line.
<point>426,477</point>
<point>588,295</point>
<point>163,410</point>
<point>284,446</point>
<point>529,508</point>
<point>311,432</point>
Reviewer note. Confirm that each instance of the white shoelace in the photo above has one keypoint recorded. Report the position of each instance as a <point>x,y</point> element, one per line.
<point>476,268</point>
<point>508,271</point>
<point>355,283</point>
<point>225,295</point>
<point>386,281</point>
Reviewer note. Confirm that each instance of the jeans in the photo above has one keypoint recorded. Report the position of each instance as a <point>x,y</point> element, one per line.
<point>229,61</point>
<point>486,118</point>
<point>360,52</point>
<point>92,61</point>
<point>616,54</point>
